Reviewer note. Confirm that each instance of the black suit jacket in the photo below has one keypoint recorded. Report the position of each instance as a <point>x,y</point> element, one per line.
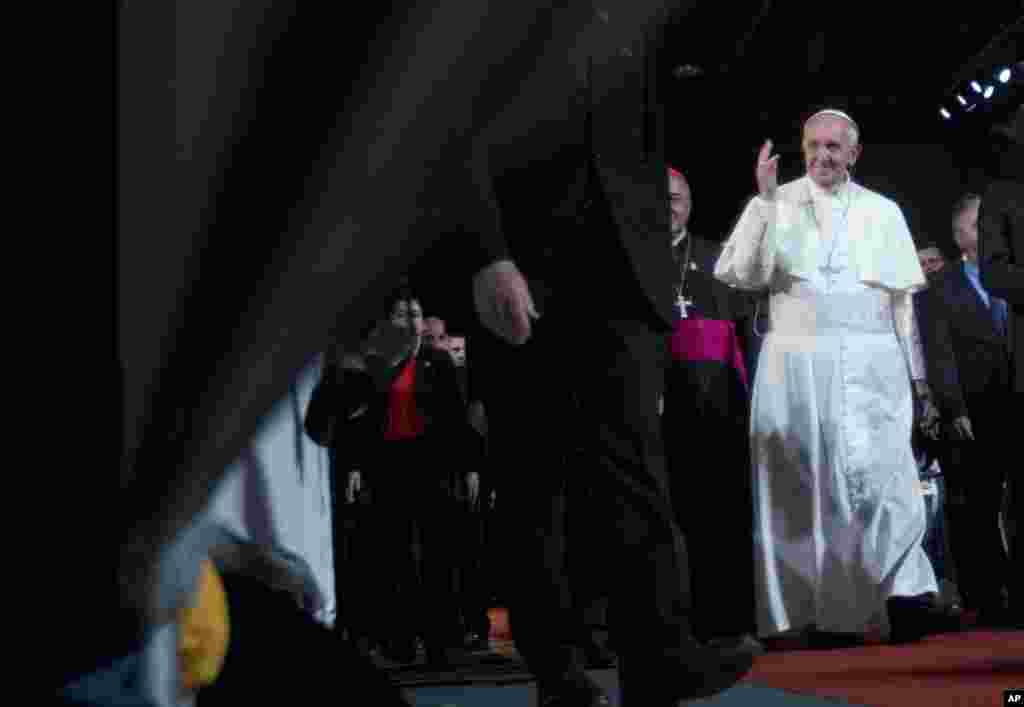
<point>964,352</point>
<point>1001,249</point>
<point>349,412</point>
<point>588,111</point>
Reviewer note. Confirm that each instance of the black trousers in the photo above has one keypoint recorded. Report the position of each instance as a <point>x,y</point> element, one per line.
<point>355,557</point>
<point>416,542</point>
<point>474,586</point>
<point>707,441</point>
<point>582,381</point>
<point>974,483</point>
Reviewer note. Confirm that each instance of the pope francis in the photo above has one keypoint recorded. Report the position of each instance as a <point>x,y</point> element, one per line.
<point>838,519</point>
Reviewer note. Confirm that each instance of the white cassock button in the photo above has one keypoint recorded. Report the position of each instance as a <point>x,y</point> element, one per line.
<point>603,16</point>
<point>626,51</point>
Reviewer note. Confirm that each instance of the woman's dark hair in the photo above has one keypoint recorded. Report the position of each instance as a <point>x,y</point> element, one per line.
<point>351,337</point>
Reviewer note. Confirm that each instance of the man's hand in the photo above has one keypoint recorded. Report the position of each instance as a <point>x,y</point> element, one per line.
<point>930,418</point>
<point>355,485</point>
<point>473,487</point>
<point>503,302</point>
<point>962,429</point>
<point>390,343</point>
<point>767,172</point>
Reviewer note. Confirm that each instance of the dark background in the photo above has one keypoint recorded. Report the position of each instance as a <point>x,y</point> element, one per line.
<point>764,66</point>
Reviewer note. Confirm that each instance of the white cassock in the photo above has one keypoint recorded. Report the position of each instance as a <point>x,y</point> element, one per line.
<point>838,515</point>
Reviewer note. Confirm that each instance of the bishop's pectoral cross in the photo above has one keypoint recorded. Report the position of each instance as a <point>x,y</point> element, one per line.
<point>682,302</point>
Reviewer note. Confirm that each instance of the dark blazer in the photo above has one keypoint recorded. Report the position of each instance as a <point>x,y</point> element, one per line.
<point>349,412</point>
<point>588,111</point>
<point>1001,248</point>
<point>965,354</point>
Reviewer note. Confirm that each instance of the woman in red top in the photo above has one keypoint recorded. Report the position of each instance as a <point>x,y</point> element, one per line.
<point>409,398</point>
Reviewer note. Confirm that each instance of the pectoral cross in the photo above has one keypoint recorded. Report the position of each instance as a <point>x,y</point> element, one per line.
<point>830,274</point>
<point>682,302</point>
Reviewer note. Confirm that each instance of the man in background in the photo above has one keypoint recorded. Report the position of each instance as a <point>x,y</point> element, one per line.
<point>435,334</point>
<point>1001,264</point>
<point>931,448</point>
<point>964,331</point>
<point>932,260</point>
<point>469,458</point>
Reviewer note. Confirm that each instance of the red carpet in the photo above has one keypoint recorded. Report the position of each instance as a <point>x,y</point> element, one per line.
<point>971,668</point>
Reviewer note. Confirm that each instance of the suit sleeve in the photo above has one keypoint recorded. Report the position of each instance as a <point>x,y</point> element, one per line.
<point>940,359</point>
<point>449,407</point>
<point>1002,270</point>
<point>319,422</point>
<point>480,225</point>
<point>517,114</point>
<point>337,400</point>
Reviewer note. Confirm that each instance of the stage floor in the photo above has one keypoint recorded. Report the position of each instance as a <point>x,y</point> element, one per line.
<point>525,695</point>
<point>966,669</point>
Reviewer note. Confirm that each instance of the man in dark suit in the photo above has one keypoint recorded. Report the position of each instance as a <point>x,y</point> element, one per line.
<point>1001,238</point>
<point>467,458</point>
<point>575,293</point>
<point>929,448</point>
<point>963,330</point>
<point>1001,261</point>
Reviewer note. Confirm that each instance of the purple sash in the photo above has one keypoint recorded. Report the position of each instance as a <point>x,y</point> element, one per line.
<point>698,339</point>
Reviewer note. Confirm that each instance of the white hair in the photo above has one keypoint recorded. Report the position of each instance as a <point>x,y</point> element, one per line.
<point>852,131</point>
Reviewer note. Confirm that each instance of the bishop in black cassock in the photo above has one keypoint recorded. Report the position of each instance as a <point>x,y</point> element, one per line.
<point>706,416</point>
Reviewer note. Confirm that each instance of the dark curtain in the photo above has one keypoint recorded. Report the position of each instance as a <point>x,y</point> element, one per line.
<point>275,171</point>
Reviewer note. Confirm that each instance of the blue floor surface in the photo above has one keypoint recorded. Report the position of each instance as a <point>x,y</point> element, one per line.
<point>525,695</point>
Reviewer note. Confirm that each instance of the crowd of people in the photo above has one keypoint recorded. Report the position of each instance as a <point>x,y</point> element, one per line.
<point>825,394</point>
<point>626,376</point>
<point>830,459</point>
